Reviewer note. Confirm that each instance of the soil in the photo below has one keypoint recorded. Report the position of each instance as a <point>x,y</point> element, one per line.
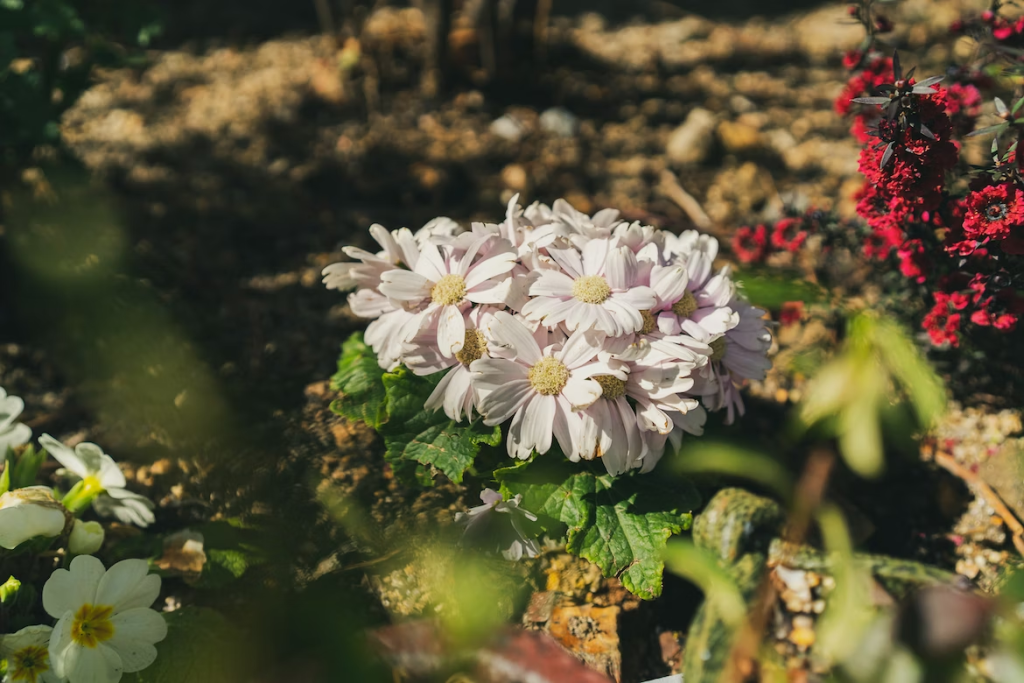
<point>178,319</point>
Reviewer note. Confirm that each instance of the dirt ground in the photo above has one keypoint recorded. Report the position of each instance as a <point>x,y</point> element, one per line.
<point>236,166</point>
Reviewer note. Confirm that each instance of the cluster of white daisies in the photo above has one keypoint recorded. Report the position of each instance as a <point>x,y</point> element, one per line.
<point>610,337</point>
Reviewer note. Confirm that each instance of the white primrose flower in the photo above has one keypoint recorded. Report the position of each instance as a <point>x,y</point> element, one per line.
<point>596,290</point>
<point>498,522</point>
<point>28,513</point>
<point>28,657</point>
<point>12,433</point>
<point>104,624</point>
<point>442,288</point>
<point>102,481</point>
<point>540,390</point>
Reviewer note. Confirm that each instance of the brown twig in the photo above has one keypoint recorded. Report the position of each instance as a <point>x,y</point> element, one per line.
<point>949,463</point>
<point>670,187</point>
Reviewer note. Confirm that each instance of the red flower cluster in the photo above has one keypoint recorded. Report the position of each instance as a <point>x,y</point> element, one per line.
<point>754,244</point>
<point>907,192</point>
<point>993,213</point>
<point>980,299</point>
<point>874,71</point>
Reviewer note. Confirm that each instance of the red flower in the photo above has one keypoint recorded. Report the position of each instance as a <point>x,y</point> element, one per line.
<point>750,244</point>
<point>993,212</point>
<point>942,325</point>
<point>792,312</point>
<point>788,234</point>
<point>913,261</point>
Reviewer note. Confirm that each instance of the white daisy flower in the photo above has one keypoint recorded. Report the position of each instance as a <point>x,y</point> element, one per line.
<point>598,289</point>
<point>690,300</point>
<point>27,655</point>
<point>439,230</point>
<point>399,248</point>
<point>99,475</point>
<point>540,390</point>
<point>583,227</point>
<point>454,392</point>
<point>737,356</point>
<point>12,432</point>
<point>443,288</point>
<point>28,513</point>
<point>104,625</point>
<point>498,522</point>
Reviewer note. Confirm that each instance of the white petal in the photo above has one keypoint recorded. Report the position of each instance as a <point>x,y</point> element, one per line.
<point>64,455</point>
<point>490,268</point>
<point>19,523</point>
<point>92,665</point>
<point>508,332</point>
<point>430,264</point>
<point>595,255</point>
<point>581,393</point>
<point>135,631</point>
<point>538,421</point>
<point>451,331</point>
<point>405,285</point>
<point>502,402</point>
<point>580,348</point>
<point>60,641</point>
<point>669,283</point>
<point>128,585</point>
<point>68,589</point>
<point>552,283</point>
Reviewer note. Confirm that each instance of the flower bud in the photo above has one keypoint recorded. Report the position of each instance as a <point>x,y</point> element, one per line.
<point>27,513</point>
<point>86,538</point>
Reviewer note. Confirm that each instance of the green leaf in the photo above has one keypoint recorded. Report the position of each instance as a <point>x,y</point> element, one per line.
<point>771,291</point>
<point>27,467</point>
<point>429,437</point>
<point>621,524</point>
<point>231,551</point>
<point>202,646</point>
<point>359,380</point>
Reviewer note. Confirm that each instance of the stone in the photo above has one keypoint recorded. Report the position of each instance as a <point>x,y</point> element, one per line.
<point>590,633</point>
<point>738,137</point>
<point>508,128</point>
<point>690,143</point>
<point>559,121</point>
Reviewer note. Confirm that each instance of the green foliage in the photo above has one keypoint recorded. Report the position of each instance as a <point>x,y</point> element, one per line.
<point>231,550</point>
<point>621,524</point>
<point>360,380</point>
<point>26,467</point>
<point>47,49</point>
<point>392,403</point>
<point>853,396</point>
<point>202,646</point>
<point>771,290</point>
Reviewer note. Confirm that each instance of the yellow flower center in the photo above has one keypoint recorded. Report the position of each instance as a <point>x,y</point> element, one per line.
<point>548,376</point>
<point>29,663</point>
<point>473,347</point>
<point>91,625</point>
<point>449,290</point>
<point>611,387</point>
<point>718,349</point>
<point>591,289</point>
<point>685,307</point>
<point>650,322</point>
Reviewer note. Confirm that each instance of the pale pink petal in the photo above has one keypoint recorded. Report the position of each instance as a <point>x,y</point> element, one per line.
<point>595,255</point>
<point>507,332</point>
<point>431,265</point>
<point>538,422</point>
<point>552,283</point>
<point>669,283</point>
<point>451,331</point>
<point>404,285</point>
<point>490,268</point>
<point>581,393</point>
<point>581,347</point>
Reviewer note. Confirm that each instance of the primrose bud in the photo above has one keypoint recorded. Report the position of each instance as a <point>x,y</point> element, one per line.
<point>86,538</point>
